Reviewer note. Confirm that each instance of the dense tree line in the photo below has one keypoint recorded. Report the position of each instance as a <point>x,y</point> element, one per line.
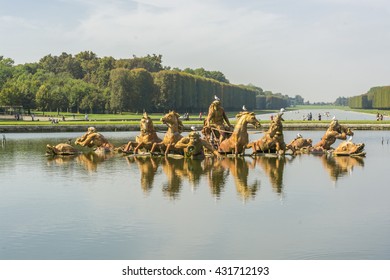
<point>85,83</point>
<point>375,98</point>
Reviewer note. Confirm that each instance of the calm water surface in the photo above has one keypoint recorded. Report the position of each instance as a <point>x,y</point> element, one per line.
<point>88,207</point>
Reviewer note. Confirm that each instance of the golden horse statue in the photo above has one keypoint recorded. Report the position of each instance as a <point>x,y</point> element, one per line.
<point>146,138</point>
<point>238,141</point>
<point>173,135</point>
<point>273,139</point>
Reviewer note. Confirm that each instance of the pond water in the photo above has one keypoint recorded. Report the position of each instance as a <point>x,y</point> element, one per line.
<point>118,207</point>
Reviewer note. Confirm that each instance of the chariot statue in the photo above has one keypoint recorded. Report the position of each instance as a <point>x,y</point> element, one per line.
<point>217,126</point>
<point>193,146</point>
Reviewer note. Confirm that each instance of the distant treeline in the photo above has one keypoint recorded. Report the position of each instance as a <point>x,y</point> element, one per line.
<point>87,83</point>
<point>375,98</point>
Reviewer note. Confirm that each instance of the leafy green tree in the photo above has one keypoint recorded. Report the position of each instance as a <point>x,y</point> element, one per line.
<point>120,85</point>
<point>151,63</point>
<point>341,101</point>
<point>102,74</point>
<point>76,91</point>
<point>299,100</point>
<point>20,91</point>
<point>162,99</point>
<point>6,70</point>
<point>215,75</point>
<point>141,91</point>
<point>89,63</point>
<point>94,101</point>
<point>52,93</point>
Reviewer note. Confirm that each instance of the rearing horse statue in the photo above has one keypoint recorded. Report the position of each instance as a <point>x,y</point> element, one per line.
<point>146,138</point>
<point>172,136</point>
<point>239,139</point>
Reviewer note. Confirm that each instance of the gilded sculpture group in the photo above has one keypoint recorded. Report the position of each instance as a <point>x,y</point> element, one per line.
<point>219,138</point>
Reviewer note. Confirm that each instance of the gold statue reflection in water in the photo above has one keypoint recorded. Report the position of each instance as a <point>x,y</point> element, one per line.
<point>178,169</point>
<point>273,166</point>
<point>89,161</point>
<point>172,169</point>
<point>61,160</point>
<point>148,167</point>
<point>239,169</point>
<point>217,172</point>
<point>338,167</point>
<point>217,175</point>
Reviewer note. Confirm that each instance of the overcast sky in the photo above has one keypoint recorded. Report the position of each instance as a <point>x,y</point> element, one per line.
<point>319,49</point>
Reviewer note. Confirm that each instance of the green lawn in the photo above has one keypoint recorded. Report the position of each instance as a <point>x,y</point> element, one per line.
<point>133,118</point>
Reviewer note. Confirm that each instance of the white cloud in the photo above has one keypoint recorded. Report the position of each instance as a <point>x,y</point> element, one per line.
<point>318,49</point>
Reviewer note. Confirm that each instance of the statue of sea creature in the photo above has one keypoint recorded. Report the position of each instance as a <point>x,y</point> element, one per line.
<point>193,146</point>
<point>348,148</point>
<point>334,132</point>
<point>300,144</point>
<point>94,139</point>
<point>62,149</point>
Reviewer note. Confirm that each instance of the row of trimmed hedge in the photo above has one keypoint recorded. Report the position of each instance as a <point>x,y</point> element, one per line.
<point>375,98</point>
<point>186,92</point>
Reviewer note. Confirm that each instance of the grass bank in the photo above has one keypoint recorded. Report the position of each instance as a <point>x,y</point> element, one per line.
<point>130,121</point>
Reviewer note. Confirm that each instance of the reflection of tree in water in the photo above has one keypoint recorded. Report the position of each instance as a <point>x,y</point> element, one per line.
<point>148,168</point>
<point>239,169</point>
<point>217,175</point>
<point>273,168</point>
<point>340,166</point>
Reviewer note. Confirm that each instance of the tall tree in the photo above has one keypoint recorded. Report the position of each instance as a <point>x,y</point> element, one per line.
<point>151,63</point>
<point>5,69</point>
<point>141,90</point>
<point>120,85</point>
